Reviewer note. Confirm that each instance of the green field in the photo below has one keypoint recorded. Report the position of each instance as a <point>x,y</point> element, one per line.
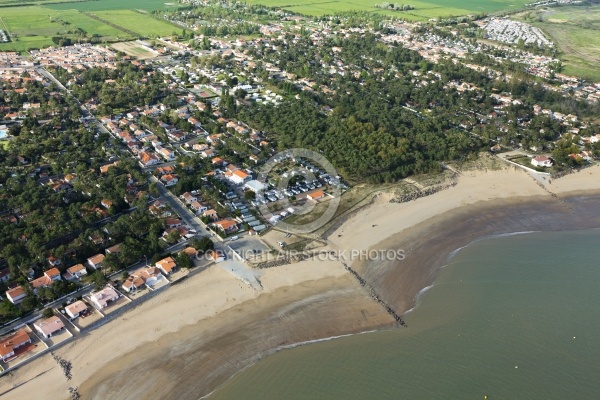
<point>576,31</point>
<point>35,26</point>
<point>142,24</point>
<point>423,9</point>
<point>103,5</point>
<point>8,3</point>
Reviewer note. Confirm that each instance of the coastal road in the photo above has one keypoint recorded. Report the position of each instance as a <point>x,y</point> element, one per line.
<point>177,205</point>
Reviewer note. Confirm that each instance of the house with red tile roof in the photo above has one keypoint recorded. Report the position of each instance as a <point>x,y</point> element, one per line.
<point>96,261</point>
<point>147,159</point>
<point>227,225</point>
<point>316,195</point>
<point>173,222</point>
<point>189,251</point>
<point>53,274</point>
<point>238,177</point>
<point>10,344</point>
<point>211,214</point>
<point>46,280</point>
<point>166,265</point>
<point>116,249</point>
<point>541,161</point>
<point>75,272</point>
<point>148,276</point>
<point>198,207</point>
<point>169,179</point>
<point>16,295</point>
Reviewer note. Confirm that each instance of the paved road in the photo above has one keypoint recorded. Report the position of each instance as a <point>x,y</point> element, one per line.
<point>44,72</point>
<point>177,205</point>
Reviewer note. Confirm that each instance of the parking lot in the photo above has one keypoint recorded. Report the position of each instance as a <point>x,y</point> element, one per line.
<point>247,247</point>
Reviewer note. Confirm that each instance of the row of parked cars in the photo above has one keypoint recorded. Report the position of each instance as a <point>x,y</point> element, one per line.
<point>302,187</point>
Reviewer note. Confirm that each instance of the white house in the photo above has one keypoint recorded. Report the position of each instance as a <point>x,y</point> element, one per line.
<point>15,295</point>
<point>104,297</point>
<point>49,327</point>
<point>541,161</point>
<point>75,309</point>
<point>199,208</point>
<point>238,177</point>
<point>169,180</point>
<point>96,261</point>
<point>188,197</point>
<point>167,154</point>
<point>75,272</point>
<point>148,276</point>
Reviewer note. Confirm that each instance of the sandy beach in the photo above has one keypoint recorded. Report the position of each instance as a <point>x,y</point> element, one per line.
<point>186,342</point>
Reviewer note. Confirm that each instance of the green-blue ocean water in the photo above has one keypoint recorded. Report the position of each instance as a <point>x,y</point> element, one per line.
<point>514,317</point>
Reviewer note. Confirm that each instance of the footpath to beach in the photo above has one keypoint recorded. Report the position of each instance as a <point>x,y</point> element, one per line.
<point>191,339</point>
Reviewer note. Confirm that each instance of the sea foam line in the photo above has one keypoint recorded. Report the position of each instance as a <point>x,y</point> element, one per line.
<point>418,297</point>
<point>456,251</point>
<point>499,235</point>
<point>262,355</point>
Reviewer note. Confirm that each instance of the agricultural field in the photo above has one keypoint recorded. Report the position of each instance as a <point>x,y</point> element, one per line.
<point>9,3</point>
<point>142,24</point>
<point>34,27</point>
<point>134,49</point>
<point>576,32</point>
<point>423,10</point>
<point>103,5</point>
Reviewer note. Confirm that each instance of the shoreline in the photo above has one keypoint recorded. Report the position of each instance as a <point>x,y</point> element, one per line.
<point>288,347</point>
<point>306,301</point>
<point>448,234</point>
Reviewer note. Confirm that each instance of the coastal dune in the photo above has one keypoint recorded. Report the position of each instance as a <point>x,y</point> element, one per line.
<point>189,340</point>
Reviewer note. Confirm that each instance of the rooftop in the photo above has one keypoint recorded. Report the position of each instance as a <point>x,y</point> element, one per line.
<point>8,344</point>
<point>76,307</point>
<point>49,325</point>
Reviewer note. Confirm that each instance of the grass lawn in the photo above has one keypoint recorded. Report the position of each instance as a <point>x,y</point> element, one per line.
<point>35,26</point>
<point>4,143</point>
<point>6,3</point>
<point>580,49</point>
<point>423,9</point>
<point>144,25</point>
<point>103,5</point>
<point>576,31</point>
